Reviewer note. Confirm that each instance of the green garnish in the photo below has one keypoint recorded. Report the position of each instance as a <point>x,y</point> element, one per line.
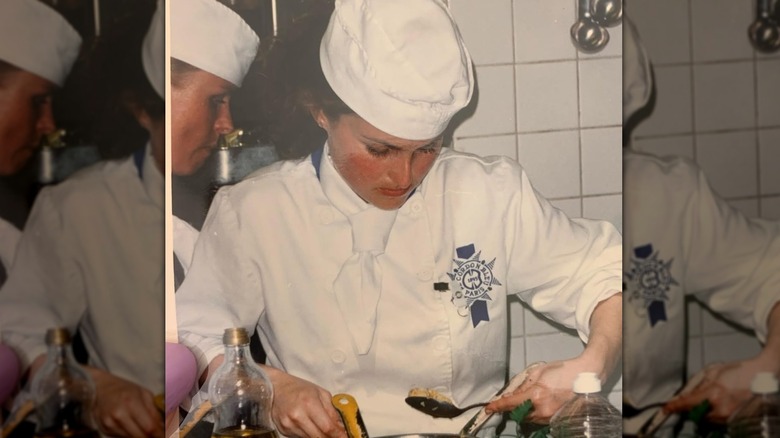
<point>519,413</point>
<point>699,411</point>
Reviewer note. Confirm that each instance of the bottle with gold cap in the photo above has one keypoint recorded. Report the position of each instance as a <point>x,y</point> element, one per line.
<point>63,392</point>
<point>240,392</point>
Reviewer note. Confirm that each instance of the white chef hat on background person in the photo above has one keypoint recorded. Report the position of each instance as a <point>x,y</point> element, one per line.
<point>36,38</point>
<point>401,65</point>
<point>153,50</point>
<point>210,36</point>
<point>637,74</point>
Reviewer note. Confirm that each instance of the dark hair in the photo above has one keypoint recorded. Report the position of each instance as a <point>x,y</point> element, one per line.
<point>287,83</point>
<point>121,85</point>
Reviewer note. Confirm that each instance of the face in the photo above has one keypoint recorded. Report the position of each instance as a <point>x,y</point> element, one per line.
<point>25,116</point>
<point>380,168</point>
<point>200,112</point>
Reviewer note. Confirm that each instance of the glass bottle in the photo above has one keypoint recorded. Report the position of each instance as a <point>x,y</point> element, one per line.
<point>588,414</point>
<point>63,392</point>
<point>240,392</point>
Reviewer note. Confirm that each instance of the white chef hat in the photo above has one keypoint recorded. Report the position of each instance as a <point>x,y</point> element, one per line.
<point>401,65</point>
<point>637,75</point>
<point>37,39</point>
<point>153,51</point>
<point>210,36</point>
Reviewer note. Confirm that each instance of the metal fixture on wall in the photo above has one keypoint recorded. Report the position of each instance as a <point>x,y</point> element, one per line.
<point>589,33</point>
<point>764,32</point>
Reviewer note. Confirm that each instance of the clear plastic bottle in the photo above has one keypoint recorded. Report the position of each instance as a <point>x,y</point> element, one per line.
<point>588,414</point>
<point>240,392</point>
<point>758,417</point>
<point>63,392</point>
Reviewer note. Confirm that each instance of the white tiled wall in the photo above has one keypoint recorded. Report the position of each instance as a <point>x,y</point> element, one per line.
<point>718,102</point>
<point>558,112</point>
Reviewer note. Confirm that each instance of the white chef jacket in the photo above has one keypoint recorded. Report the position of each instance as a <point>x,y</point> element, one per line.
<point>184,238</point>
<point>681,239</point>
<point>9,238</point>
<point>91,257</point>
<point>273,244</point>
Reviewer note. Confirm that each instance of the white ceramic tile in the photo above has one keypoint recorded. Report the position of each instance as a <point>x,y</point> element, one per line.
<point>748,207</point>
<point>695,355</point>
<point>552,160</point>
<point>486,28</point>
<point>729,161</point>
<point>773,55</point>
<point>724,96</point>
<point>601,93</point>
<point>714,324</point>
<point>666,146</point>
<point>770,208</point>
<point>542,30</point>
<point>693,310</point>
<point>572,207</point>
<point>602,161</point>
<point>768,92</point>
<point>495,103</point>
<point>536,323</point>
<point>516,355</point>
<point>553,347</point>
<point>664,27</point>
<point>672,111</point>
<point>515,317</point>
<point>731,347</point>
<point>608,208</point>
<point>546,96</point>
<point>769,153</point>
<point>616,399</point>
<point>720,29</point>
<point>505,145</point>
<point>614,47</point>
<point>618,385</point>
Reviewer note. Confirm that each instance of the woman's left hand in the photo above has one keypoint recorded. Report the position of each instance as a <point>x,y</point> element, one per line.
<point>547,386</point>
<point>724,385</point>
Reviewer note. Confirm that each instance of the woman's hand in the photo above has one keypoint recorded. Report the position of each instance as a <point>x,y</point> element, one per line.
<point>303,409</point>
<point>123,408</point>
<point>548,387</point>
<point>724,385</point>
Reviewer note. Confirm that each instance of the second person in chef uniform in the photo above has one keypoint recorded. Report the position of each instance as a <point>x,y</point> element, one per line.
<point>212,48</point>
<point>335,257</point>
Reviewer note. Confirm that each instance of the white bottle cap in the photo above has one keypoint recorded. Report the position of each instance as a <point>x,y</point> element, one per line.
<point>764,383</point>
<point>587,383</point>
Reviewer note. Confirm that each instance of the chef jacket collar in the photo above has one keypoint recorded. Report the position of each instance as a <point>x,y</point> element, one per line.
<point>338,191</point>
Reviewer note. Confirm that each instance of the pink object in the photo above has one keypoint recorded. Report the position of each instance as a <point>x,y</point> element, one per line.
<point>180,374</point>
<point>9,371</point>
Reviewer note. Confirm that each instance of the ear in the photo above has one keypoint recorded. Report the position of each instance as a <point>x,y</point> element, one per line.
<point>144,119</point>
<point>320,118</point>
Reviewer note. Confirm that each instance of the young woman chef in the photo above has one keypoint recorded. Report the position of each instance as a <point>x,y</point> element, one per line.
<point>337,258</point>
<point>91,256</point>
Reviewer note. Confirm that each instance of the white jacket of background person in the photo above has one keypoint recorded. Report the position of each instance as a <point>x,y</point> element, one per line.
<point>681,239</point>
<point>273,244</point>
<point>9,238</point>
<point>92,257</point>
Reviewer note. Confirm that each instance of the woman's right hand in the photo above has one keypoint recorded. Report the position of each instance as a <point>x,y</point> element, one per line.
<point>303,409</point>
